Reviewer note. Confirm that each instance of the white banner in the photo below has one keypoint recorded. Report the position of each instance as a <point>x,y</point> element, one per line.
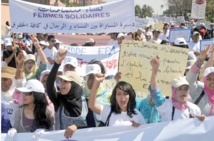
<point>198,9</point>
<point>141,22</point>
<point>180,130</point>
<point>205,43</point>
<point>109,17</point>
<point>108,55</point>
<point>179,33</point>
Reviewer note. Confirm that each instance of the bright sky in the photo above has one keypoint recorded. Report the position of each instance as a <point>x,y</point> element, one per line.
<point>155,4</point>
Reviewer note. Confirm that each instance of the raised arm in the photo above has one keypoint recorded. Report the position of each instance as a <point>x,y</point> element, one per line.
<point>211,59</point>
<point>39,49</point>
<point>51,91</point>
<point>20,64</point>
<point>193,73</point>
<point>42,56</point>
<point>93,94</point>
<point>155,62</point>
<point>157,97</point>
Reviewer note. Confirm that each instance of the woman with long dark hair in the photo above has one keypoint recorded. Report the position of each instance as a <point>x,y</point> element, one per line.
<point>122,110</point>
<point>33,114</point>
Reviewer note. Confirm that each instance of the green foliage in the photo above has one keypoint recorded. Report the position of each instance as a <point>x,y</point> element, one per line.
<point>144,11</point>
<point>69,4</point>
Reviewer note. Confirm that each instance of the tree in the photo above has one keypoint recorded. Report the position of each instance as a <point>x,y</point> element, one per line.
<point>73,4</point>
<point>69,4</point>
<point>179,7</point>
<point>138,11</point>
<point>145,11</point>
<point>210,10</point>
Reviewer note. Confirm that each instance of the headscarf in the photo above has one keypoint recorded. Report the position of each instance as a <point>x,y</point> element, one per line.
<point>178,105</point>
<point>7,96</point>
<point>74,99</point>
<point>209,93</point>
<point>32,74</point>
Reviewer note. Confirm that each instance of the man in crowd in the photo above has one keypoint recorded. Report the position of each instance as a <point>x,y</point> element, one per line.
<point>50,51</point>
<point>194,45</point>
<point>9,53</point>
<point>156,39</point>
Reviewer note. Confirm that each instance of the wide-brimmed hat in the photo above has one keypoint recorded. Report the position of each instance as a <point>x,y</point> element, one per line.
<point>71,76</point>
<point>8,72</point>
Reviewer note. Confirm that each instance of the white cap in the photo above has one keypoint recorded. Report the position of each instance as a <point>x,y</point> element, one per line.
<point>20,36</point>
<point>203,24</point>
<point>71,61</point>
<point>196,32</point>
<point>93,69</point>
<point>90,40</point>
<point>208,71</point>
<point>180,41</point>
<point>57,42</point>
<point>32,85</point>
<point>177,82</point>
<point>7,42</point>
<point>44,43</point>
<point>120,35</point>
<point>30,57</point>
<point>44,73</point>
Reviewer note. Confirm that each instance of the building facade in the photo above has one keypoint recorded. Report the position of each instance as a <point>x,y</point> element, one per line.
<point>89,2</point>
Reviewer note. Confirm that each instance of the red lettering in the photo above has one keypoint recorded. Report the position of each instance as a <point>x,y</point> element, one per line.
<point>81,62</point>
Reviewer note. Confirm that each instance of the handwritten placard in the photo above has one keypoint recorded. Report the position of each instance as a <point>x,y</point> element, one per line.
<point>179,33</point>
<point>108,55</point>
<point>159,26</point>
<point>136,69</point>
<point>108,17</point>
<point>198,9</point>
<point>205,43</point>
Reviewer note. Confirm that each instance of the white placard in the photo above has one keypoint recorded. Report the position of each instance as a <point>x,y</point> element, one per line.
<point>108,55</point>
<point>179,33</point>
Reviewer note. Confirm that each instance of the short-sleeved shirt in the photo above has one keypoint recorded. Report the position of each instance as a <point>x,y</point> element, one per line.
<point>7,54</point>
<point>50,53</point>
<point>121,119</point>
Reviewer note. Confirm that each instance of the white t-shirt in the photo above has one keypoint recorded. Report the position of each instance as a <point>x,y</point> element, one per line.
<point>164,36</point>
<point>114,43</point>
<point>158,41</point>
<point>165,111</point>
<point>121,119</point>
<point>50,53</point>
<point>194,46</point>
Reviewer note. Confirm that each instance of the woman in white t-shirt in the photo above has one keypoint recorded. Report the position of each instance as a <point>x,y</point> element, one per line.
<point>177,107</point>
<point>122,110</point>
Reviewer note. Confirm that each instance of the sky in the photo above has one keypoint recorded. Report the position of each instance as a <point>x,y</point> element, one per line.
<point>155,4</point>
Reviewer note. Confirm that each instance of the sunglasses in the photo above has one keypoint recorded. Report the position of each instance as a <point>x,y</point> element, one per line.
<point>53,41</point>
<point>30,63</point>
<point>28,94</point>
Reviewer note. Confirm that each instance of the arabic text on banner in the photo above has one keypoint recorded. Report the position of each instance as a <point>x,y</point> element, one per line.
<point>103,18</point>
